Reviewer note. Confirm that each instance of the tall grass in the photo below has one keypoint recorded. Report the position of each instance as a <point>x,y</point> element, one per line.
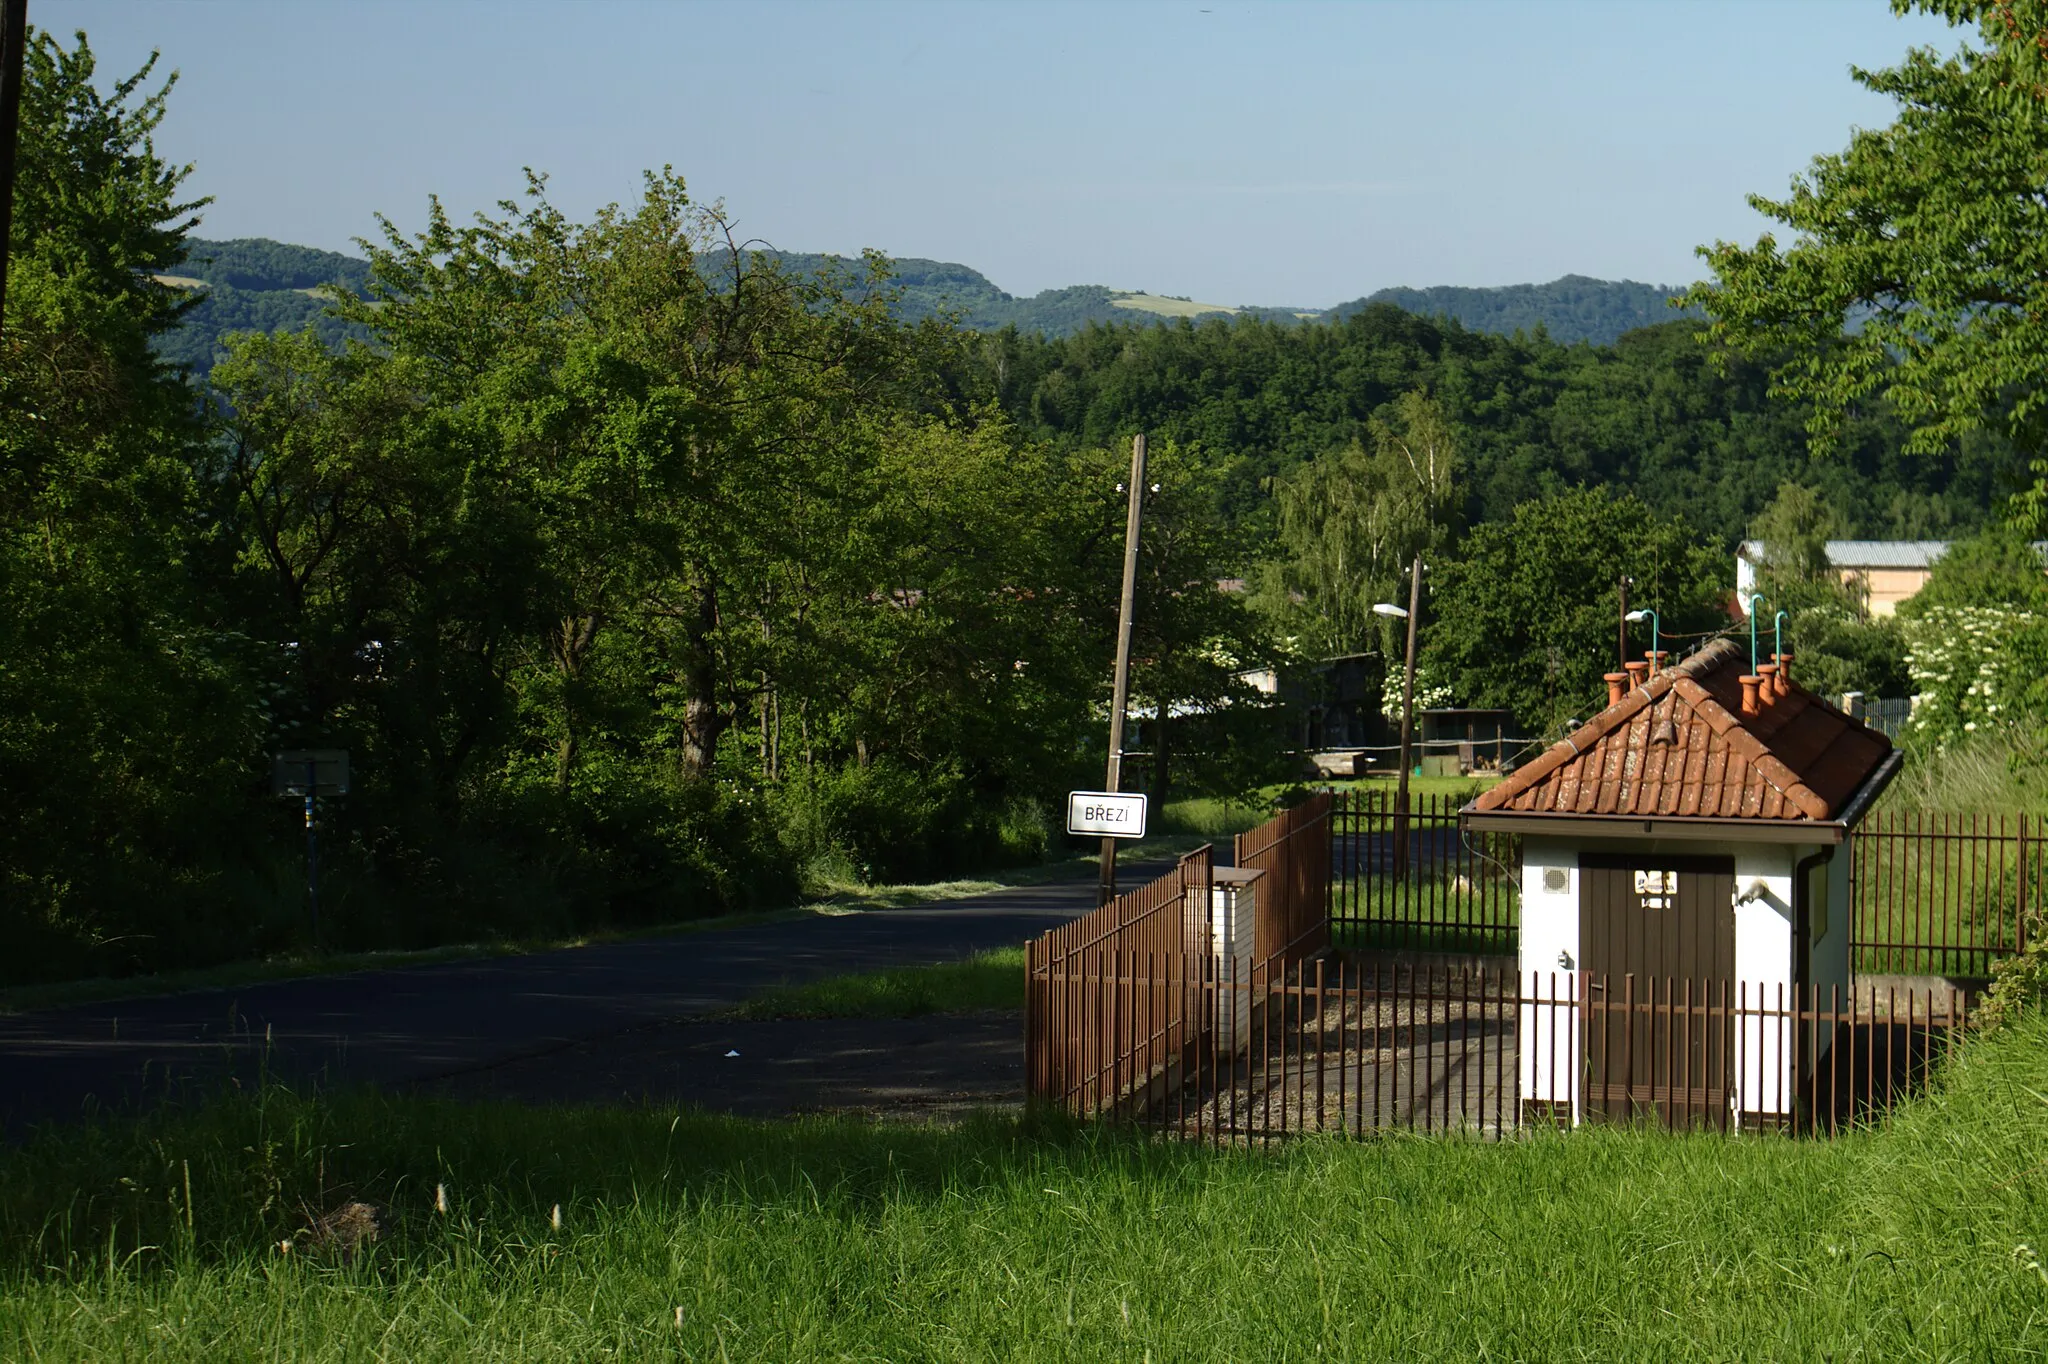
<point>705,1238</point>
<point>2003,772</point>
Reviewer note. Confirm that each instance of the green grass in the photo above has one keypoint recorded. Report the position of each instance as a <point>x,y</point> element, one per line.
<point>988,980</point>
<point>702,1238</point>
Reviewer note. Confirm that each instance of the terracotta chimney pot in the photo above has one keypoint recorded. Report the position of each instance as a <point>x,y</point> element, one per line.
<point>1767,688</point>
<point>1784,662</point>
<point>1636,672</point>
<point>1617,687</point>
<point>1656,658</point>
<point>1749,685</point>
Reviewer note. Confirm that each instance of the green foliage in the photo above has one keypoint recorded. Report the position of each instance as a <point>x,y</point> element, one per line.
<point>1997,567</point>
<point>1523,616</point>
<point>1653,414</point>
<point>1350,526</point>
<point>1975,668</point>
<point>1929,234</point>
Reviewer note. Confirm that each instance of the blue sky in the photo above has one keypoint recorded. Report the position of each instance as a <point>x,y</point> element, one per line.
<point>1279,153</point>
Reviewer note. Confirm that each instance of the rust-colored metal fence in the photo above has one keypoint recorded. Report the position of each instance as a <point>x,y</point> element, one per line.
<point>1119,1004</point>
<point>1293,850</point>
<point>1167,1006</point>
<point>1451,891</point>
<point>1942,893</point>
<point>1351,1048</point>
<point>1108,1002</point>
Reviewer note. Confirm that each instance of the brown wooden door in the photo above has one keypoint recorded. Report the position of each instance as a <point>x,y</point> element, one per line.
<point>1657,945</point>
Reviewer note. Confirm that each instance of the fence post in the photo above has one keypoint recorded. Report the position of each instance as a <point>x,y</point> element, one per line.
<point>2020,900</point>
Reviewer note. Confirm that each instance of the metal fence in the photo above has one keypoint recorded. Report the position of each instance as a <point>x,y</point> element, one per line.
<point>1938,894</point>
<point>1944,894</point>
<point>1354,1048</point>
<point>1415,882</point>
<point>1120,1002</point>
<point>1293,851</point>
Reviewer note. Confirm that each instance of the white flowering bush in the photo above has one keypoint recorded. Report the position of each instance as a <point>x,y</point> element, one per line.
<point>1429,692</point>
<point>1974,668</point>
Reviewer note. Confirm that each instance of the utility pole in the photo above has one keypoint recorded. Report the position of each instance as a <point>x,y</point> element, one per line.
<point>1122,691</point>
<point>13,49</point>
<point>1621,646</point>
<point>1407,723</point>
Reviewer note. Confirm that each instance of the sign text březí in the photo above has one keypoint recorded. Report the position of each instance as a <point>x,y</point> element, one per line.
<point>1110,814</point>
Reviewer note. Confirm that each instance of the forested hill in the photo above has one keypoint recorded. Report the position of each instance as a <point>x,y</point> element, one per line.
<point>1573,308</point>
<point>254,284</point>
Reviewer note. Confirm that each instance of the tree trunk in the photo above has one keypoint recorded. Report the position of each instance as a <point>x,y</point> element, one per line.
<point>573,638</point>
<point>703,721</point>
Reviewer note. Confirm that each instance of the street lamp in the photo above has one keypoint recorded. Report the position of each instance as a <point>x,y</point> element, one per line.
<point>1754,598</point>
<point>1410,614</point>
<point>1655,626</point>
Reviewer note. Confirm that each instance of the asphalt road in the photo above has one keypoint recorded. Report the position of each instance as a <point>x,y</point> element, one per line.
<point>406,1026</point>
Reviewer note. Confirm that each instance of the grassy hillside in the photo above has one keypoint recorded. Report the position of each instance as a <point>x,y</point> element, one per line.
<point>253,284</point>
<point>571,1234</point>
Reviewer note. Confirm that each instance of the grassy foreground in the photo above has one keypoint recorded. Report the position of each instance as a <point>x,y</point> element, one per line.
<point>701,1238</point>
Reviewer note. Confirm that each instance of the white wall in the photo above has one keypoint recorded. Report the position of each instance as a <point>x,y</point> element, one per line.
<point>1763,970</point>
<point>1547,1036</point>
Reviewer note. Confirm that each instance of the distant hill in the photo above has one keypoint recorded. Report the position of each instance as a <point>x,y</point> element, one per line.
<point>1573,308</point>
<point>254,284</point>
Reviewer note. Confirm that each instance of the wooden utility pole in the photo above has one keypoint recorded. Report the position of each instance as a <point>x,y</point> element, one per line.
<point>1407,723</point>
<point>1122,691</point>
<point>1621,637</point>
<point>13,48</point>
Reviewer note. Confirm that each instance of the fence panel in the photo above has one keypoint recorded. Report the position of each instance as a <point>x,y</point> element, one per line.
<point>1293,849</point>
<point>1109,1008</point>
<point>1943,894</point>
<point>1353,1049</point>
<point>1416,882</point>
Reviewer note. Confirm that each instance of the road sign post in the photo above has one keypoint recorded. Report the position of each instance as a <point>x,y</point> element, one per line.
<point>1121,691</point>
<point>311,773</point>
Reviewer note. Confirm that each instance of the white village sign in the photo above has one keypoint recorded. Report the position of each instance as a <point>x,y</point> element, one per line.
<point>1106,813</point>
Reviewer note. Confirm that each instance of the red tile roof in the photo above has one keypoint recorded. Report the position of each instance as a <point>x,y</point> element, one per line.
<point>1680,746</point>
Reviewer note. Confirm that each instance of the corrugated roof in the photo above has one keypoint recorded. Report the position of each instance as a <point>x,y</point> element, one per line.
<point>1679,746</point>
<point>1867,553</point>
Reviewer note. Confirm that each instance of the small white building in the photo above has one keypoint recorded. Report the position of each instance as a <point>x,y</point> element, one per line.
<point>1686,847</point>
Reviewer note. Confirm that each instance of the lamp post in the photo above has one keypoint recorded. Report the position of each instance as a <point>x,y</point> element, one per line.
<point>1655,626</point>
<point>1410,614</point>
<point>1754,598</point>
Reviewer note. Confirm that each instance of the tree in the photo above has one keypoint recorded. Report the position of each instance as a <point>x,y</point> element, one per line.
<point>1522,616</point>
<point>1998,567</point>
<point>1794,531</point>
<point>1919,276</point>
<point>122,709</point>
<point>1351,524</point>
